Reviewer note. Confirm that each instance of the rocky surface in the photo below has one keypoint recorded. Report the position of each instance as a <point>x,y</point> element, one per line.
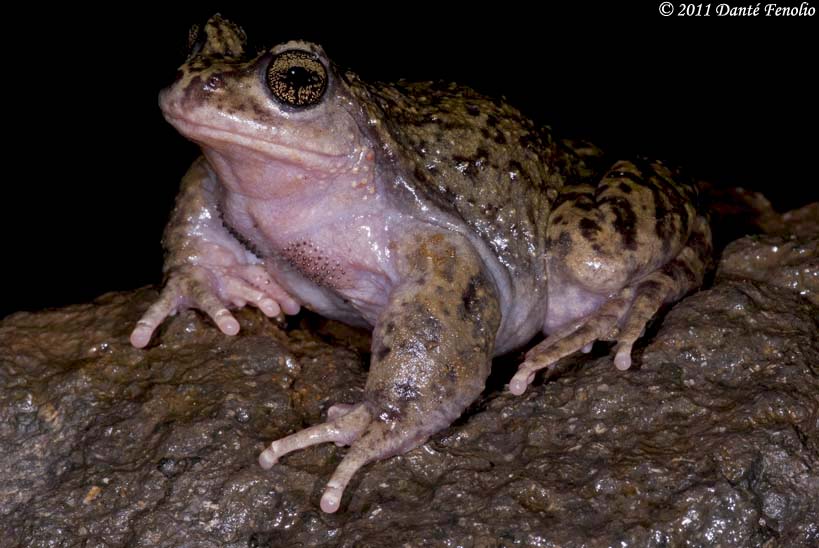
<point>713,439</point>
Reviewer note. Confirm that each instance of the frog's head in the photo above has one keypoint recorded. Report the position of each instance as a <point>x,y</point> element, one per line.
<point>268,124</point>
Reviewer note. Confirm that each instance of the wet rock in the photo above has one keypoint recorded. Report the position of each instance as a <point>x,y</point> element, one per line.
<point>788,258</point>
<point>712,439</point>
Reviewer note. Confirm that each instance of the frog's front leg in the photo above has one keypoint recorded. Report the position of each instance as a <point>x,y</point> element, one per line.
<point>205,266</point>
<point>431,353</point>
<point>616,252</point>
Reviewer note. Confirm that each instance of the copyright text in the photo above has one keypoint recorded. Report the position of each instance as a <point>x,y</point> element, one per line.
<point>805,9</point>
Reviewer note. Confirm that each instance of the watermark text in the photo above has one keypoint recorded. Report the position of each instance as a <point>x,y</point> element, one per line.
<point>804,9</point>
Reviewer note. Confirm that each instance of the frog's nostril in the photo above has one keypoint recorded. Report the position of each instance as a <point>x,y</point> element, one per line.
<point>179,74</point>
<point>215,82</point>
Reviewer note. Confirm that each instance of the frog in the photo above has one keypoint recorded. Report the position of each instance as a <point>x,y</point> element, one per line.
<point>444,221</point>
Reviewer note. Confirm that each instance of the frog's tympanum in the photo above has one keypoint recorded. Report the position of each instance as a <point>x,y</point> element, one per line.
<point>443,220</point>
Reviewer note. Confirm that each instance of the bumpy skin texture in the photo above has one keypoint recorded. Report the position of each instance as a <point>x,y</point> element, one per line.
<point>442,219</point>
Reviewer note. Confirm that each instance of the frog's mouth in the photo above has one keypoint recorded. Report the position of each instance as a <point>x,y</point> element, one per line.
<point>229,141</point>
<point>263,170</point>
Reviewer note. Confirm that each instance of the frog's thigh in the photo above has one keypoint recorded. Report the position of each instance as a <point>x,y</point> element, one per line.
<point>616,252</point>
<point>632,223</point>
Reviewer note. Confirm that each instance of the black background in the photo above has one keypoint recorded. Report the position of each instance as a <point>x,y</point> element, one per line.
<point>91,168</point>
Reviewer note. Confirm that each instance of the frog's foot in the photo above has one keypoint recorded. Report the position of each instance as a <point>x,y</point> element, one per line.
<point>622,318</point>
<point>370,439</point>
<point>579,335</point>
<point>649,297</point>
<point>211,289</point>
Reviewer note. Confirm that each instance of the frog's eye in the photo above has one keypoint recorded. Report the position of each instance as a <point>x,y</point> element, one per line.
<point>297,78</point>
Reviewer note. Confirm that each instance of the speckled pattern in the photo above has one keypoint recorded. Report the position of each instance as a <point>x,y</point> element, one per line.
<point>478,159</point>
<point>444,220</point>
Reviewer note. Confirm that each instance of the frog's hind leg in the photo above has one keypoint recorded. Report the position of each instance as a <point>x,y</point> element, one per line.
<point>617,252</point>
<point>432,350</point>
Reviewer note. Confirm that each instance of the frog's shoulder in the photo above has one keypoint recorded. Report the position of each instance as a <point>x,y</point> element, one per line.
<point>474,157</point>
<point>449,129</point>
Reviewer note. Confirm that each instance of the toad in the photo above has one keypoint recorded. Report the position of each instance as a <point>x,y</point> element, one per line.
<point>443,220</point>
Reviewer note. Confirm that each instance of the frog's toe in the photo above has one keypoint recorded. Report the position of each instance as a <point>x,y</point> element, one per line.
<point>380,441</point>
<point>343,430</point>
<point>356,457</point>
<point>166,305</point>
<point>272,297</point>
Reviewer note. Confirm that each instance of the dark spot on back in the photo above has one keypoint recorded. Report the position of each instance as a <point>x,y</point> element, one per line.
<point>584,204</point>
<point>663,218</point>
<point>620,174</point>
<point>625,220</point>
<point>468,296</point>
<point>470,167</point>
<point>589,228</point>
<point>582,199</point>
